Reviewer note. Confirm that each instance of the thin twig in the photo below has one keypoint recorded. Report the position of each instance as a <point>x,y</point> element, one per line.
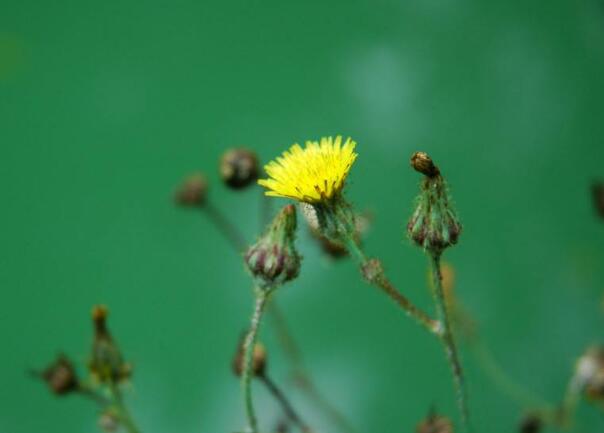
<point>229,230</point>
<point>285,404</point>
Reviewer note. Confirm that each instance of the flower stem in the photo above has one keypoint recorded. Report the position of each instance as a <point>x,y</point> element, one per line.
<point>285,404</point>
<point>250,342</point>
<point>380,280</point>
<point>118,402</point>
<point>449,342</point>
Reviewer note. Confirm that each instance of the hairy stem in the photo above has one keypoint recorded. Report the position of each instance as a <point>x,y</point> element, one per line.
<point>380,280</point>
<point>449,342</point>
<point>248,347</point>
<point>285,404</point>
<point>123,413</point>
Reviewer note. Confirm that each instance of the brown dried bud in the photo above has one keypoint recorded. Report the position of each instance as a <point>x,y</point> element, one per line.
<point>435,424</point>
<point>239,168</point>
<point>422,163</point>
<point>193,191</point>
<point>531,423</point>
<point>258,359</point>
<point>597,191</point>
<point>61,376</point>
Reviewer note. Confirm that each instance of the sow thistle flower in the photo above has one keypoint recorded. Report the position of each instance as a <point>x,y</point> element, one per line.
<point>315,176</point>
<point>312,175</point>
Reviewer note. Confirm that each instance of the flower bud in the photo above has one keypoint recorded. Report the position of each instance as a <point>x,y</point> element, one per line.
<point>61,376</point>
<point>597,191</point>
<point>434,225</point>
<point>435,424</point>
<point>274,260</point>
<point>193,191</point>
<point>239,168</point>
<point>258,359</point>
<point>106,363</point>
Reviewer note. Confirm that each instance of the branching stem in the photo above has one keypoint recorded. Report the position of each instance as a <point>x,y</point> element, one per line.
<point>380,280</point>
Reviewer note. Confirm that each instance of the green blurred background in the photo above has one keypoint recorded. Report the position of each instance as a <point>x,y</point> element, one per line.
<point>105,107</point>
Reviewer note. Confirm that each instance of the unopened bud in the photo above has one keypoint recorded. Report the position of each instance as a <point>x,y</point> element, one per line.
<point>61,376</point>
<point>435,424</point>
<point>258,359</point>
<point>597,191</point>
<point>434,225</point>
<point>531,423</point>
<point>421,162</point>
<point>106,362</point>
<point>274,260</point>
<point>193,191</point>
<point>239,168</point>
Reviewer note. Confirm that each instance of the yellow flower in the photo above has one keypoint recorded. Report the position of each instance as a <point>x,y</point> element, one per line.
<point>313,174</point>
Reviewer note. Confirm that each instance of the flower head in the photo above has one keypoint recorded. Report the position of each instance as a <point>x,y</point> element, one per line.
<point>313,174</point>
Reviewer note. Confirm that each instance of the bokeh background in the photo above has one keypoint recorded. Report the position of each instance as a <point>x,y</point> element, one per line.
<point>106,106</point>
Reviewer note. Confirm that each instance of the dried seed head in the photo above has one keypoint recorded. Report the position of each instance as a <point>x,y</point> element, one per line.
<point>193,191</point>
<point>590,371</point>
<point>434,225</point>
<point>597,191</point>
<point>61,376</point>
<point>422,163</point>
<point>274,260</point>
<point>435,424</point>
<point>239,168</point>
<point>106,362</point>
<point>258,359</point>
<point>531,423</point>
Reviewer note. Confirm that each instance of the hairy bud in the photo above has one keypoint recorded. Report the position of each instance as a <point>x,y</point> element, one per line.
<point>106,362</point>
<point>274,260</point>
<point>434,225</point>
